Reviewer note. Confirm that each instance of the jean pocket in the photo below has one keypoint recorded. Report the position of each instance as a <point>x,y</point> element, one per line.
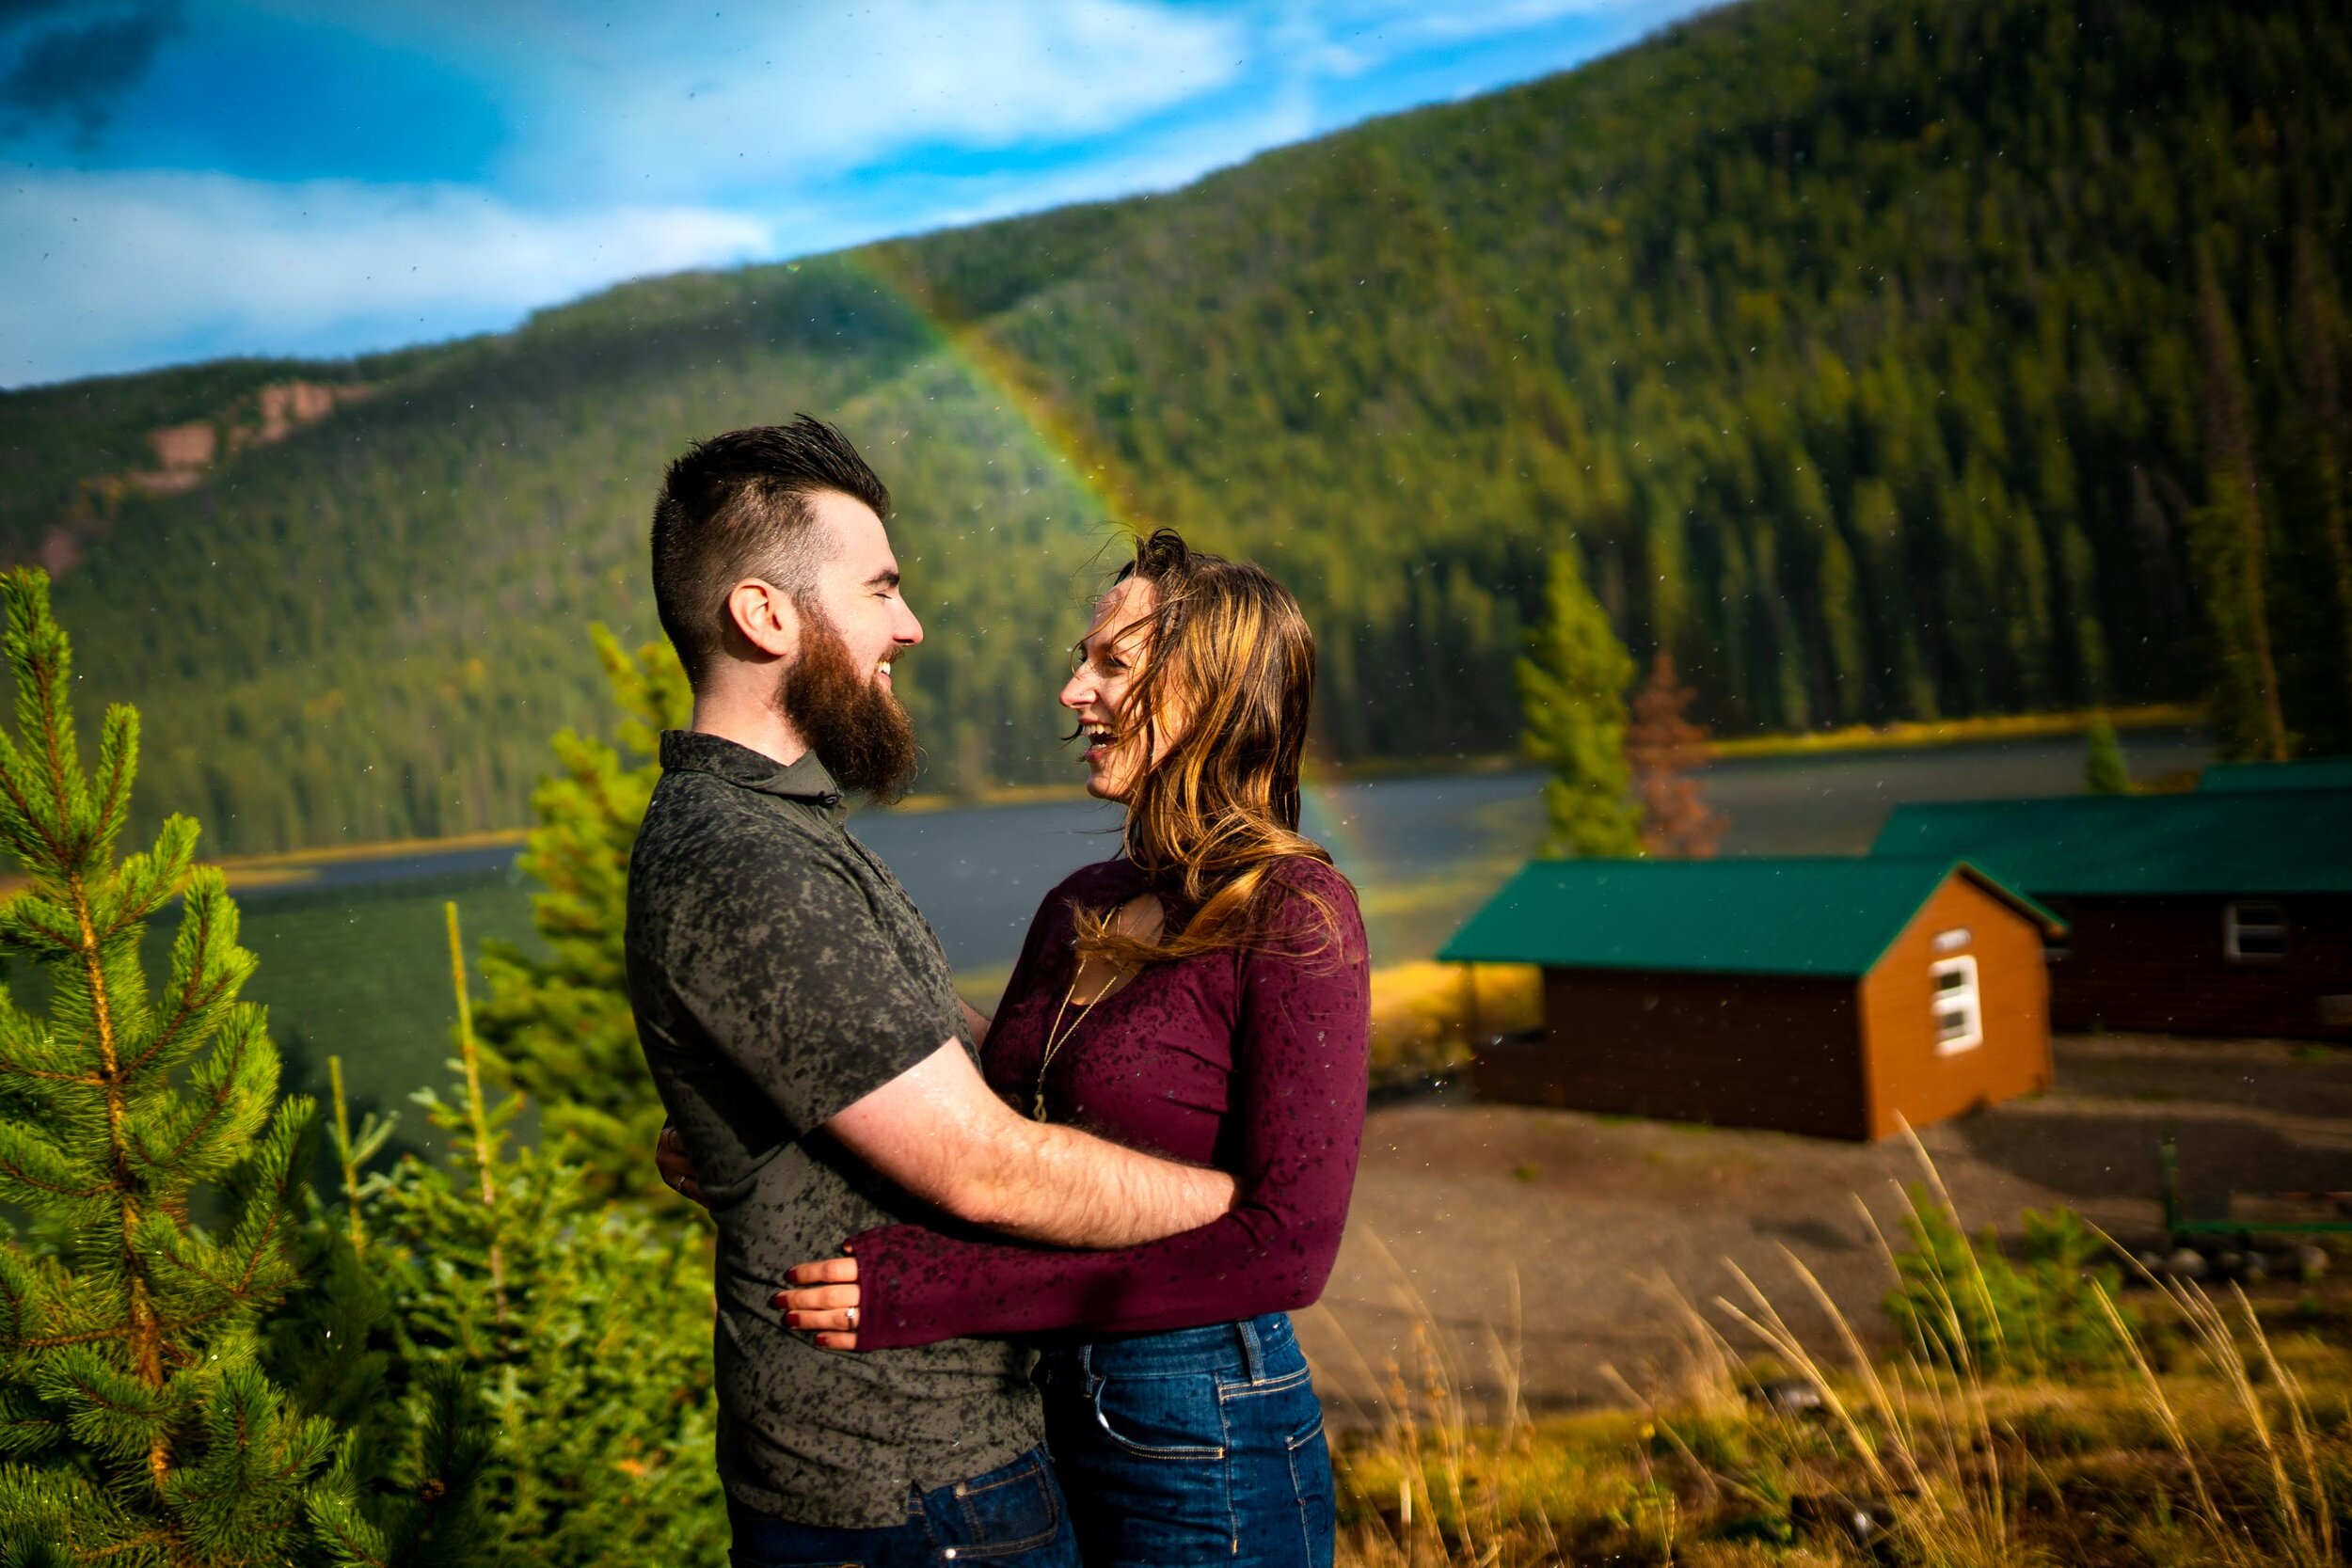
<point>1308,1431</point>
<point>1283,1410</point>
<point>1162,1418</point>
<point>1017,1508</point>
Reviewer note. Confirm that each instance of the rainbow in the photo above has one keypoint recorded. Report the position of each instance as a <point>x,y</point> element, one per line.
<point>1085,462</point>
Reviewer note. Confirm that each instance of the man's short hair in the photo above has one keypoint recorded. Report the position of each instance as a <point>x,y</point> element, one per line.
<point>736,506</point>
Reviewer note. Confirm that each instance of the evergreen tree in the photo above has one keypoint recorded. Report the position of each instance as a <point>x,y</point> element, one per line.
<point>586,1323</point>
<point>1664,747</point>
<point>2318,334</point>
<point>139,1420</point>
<point>2104,771</point>
<point>560,1028</point>
<point>2226,540</point>
<point>1572,682</point>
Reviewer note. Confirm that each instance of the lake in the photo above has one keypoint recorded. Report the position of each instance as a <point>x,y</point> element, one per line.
<point>353,960</point>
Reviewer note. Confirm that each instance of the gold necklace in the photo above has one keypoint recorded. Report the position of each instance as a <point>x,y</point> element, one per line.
<point>1056,1036</point>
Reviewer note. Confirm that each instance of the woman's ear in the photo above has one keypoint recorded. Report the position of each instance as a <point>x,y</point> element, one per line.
<point>765,616</point>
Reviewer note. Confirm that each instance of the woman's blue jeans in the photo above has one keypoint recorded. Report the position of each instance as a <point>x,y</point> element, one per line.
<point>1194,1446</point>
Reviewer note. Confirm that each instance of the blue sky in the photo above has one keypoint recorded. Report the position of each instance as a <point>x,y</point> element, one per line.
<point>185,178</point>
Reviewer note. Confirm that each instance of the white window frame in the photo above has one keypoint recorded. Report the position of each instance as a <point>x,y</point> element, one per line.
<point>2235,928</point>
<point>1968,996</point>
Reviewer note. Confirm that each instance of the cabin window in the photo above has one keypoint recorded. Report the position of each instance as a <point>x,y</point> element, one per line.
<point>1959,1014</point>
<point>2254,931</point>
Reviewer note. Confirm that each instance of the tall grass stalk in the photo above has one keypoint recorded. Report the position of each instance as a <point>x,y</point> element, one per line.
<point>1448,1503</point>
<point>2302,1506</point>
<point>1943,1478</point>
<point>1925,1454</point>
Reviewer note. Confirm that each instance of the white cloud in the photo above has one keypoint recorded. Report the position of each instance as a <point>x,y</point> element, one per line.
<point>134,268</point>
<point>665,103</point>
<point>646,139</point>
<point>1152,165</point>
<point>1348,38</point>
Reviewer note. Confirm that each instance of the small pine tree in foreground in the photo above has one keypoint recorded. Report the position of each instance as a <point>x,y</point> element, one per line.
<point>138,1424</point>
<point>1572,683</point>
<point>135,1421</point>
<point>154,1413</point>
<point>587,1324</point>
<point>559,1029</point>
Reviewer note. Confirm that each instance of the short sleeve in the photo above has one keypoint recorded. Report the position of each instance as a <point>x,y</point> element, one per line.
<point>792,976</point>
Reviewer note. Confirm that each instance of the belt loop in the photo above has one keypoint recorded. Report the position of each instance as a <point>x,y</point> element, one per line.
<point>1086,1367</point>
<point>1252,1357</point>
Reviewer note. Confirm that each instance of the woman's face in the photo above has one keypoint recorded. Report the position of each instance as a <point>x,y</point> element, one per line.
<point>1105,665</point>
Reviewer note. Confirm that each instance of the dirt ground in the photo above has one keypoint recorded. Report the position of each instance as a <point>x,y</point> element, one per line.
<point>1537,1242</point>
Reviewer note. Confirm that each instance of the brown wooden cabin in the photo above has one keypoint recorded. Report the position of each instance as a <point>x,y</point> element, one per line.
<point>1839,997</point>
<point>2228,912</point>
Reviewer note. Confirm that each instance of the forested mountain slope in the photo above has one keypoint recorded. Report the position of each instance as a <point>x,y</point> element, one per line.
<point>1870,352</point>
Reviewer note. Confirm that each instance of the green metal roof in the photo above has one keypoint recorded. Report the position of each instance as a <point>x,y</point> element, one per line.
<point>1829,916</point>
<point>2316,773</point>
<point>2226,841</point>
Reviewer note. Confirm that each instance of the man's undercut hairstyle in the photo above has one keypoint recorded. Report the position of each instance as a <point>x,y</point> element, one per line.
<point>736,506</point>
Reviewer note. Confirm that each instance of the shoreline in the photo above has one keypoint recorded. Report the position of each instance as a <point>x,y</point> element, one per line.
<point>282,865</point>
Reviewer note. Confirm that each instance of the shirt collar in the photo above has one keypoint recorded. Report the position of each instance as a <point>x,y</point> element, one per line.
<point>690,751</point>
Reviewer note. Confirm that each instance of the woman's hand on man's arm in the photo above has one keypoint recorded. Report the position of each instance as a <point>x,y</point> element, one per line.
<point>823,1299</point>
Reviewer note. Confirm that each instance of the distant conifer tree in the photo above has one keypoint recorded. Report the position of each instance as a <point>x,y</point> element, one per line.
<point>2104,768</point>
<point>560,1028</point>
<point>141,1130</point>
<point>2318,336</point>
<point>1572,682</point>
<point>1663,749</point>
<point>2226,540</point>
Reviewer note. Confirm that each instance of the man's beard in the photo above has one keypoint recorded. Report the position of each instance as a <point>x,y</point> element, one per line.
<point>855,724</point>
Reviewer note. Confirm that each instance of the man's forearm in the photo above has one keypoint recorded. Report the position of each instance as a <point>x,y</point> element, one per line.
<point>1065,1187</point>
<point>938,1131</point>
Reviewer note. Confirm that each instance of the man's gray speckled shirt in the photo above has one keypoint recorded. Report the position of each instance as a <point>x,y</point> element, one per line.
<point>779,975</point>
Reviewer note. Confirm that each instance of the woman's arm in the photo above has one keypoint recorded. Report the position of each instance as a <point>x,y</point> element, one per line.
<point>1299,1079</point>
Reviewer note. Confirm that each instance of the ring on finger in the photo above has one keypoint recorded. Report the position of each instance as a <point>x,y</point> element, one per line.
<point>850,1314</point>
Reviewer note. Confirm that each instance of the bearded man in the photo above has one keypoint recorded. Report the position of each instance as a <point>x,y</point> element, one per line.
<point>801,1026</point>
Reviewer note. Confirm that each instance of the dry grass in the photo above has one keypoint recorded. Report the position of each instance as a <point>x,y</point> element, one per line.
<point>2225,1439</point>
<point>1420,1014</point>
<point>1908,733</point>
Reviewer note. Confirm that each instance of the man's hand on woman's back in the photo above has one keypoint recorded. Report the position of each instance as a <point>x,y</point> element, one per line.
<point>677,1167</point>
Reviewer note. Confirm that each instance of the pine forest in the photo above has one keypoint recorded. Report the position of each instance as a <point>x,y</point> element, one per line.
<point>1906,359</point>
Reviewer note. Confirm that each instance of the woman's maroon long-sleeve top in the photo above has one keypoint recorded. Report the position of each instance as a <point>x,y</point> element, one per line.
<point>1251,1060</point>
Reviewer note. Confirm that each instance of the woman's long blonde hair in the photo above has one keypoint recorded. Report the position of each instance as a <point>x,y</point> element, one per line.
<point>1228,668</point>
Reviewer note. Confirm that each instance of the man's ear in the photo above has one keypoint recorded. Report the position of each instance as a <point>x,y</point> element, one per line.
<point>765,616</point>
